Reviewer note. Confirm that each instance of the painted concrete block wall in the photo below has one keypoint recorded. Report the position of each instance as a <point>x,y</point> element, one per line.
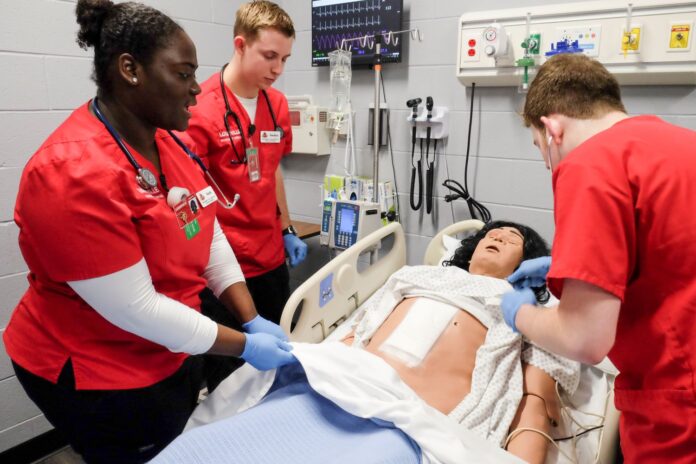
<point>47,75</point>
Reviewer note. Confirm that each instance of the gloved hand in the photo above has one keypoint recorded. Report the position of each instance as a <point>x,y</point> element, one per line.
<point>264,351</point>
<point>512,302</point>
<point>531,273</point>
<point>262,325</point>
<point>295,248</point>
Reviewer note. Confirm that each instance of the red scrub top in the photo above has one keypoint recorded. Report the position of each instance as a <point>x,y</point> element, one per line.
<point>82,215</point>
<point>253,226</point>
<point>625,222</point>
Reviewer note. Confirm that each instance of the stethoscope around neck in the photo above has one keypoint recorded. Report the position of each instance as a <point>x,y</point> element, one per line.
<point>144,177</point>
<point>252,128</point>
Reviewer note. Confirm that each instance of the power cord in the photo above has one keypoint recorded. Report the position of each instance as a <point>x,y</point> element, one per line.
<point>391,153</point>
<point>476,209</point>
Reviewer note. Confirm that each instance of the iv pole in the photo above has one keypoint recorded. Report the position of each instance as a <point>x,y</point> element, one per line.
<point>377,65</point>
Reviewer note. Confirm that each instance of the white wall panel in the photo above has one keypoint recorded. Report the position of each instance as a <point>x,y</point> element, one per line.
<point>9,182</point>
<point>214,42</point>
<point>23,132</point>
<point>12,287</point>
<point>23,431</point>
<point>69,82</point>
<point>16,407</point>
<point>22,82</point>
<point>39,26</point>
<point>11,261</point>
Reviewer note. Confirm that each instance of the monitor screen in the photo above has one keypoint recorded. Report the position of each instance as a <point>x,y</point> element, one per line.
<point>347,219</point>
<point>335,20</point>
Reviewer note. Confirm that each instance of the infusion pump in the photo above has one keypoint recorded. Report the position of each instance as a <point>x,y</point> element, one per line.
<point>310,134</point>
<point>344,222</point>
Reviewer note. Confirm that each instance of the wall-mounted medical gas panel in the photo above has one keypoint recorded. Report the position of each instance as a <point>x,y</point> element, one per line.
<point>494,46</point>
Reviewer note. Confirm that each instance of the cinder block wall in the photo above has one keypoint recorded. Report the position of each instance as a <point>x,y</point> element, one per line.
<point>46,75</point>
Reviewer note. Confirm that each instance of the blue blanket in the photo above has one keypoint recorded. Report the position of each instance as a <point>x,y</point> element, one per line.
<point>293,424</point>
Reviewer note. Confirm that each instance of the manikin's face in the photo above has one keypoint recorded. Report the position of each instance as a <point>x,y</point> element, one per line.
<point>263,59</point>
<point>498,254</point>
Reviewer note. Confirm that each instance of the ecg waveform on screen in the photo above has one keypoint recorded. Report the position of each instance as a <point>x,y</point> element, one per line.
<point>367,6</point>
<point>348,23</point>
<point>334,21</point>
<point>333,41</point>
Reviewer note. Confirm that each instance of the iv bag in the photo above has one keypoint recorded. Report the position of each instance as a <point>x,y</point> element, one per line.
<point>339,62</point>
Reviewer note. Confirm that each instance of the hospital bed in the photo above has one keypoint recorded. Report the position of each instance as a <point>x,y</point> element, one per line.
<point>321,308</point>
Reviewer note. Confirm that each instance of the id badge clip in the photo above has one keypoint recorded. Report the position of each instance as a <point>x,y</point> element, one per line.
<point>253,164</point>
<point>187,213</point>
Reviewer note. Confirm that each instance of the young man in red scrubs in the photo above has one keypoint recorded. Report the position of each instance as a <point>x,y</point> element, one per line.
<point>624,253</point>
<point>241,128</point>
<point>117,226</point>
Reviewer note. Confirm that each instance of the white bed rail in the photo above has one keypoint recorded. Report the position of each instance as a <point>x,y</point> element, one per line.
<point>329,296</point>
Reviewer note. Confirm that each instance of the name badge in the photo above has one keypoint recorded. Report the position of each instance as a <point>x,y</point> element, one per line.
<point>253,165</point>
<point>270,136</point>
<point>206,196</point>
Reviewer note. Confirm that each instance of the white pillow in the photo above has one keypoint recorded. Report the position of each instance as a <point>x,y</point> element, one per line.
<point>451,244</point>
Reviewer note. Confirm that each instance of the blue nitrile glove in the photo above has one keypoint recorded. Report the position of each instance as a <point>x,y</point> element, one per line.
<point>264,351</point>
<point>295,248</point>
<point>262,325</point>
<point>512,302</point>
<point>531,273</point>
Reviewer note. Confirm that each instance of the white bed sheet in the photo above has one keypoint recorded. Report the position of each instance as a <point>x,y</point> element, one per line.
<point>365,386</point>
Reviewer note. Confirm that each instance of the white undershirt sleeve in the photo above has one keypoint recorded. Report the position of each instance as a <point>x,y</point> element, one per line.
<point>128,300</point>
<point>223,269</point>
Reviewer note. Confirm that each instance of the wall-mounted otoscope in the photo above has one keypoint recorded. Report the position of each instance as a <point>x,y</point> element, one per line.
<point>430,171</point>
<point>416,166</point>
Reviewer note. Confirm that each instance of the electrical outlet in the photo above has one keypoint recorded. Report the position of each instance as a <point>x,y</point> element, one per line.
<point>470,45</point>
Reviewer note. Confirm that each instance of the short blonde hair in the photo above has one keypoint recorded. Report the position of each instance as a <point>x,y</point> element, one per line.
<point>261,14</point>
<point>573,85</point>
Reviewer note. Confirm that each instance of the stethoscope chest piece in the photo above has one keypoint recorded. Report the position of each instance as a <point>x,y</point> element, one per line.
<point>146,179</point>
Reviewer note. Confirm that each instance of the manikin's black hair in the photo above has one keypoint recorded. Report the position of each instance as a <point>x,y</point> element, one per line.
<point>116,28</point>
<point>533,247</point>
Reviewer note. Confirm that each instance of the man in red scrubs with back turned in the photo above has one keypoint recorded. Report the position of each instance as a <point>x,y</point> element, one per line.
<point>624,253</point>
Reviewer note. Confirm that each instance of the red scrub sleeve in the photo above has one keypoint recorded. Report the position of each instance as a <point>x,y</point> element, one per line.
<point>595,235</point>
<point>74,224</point>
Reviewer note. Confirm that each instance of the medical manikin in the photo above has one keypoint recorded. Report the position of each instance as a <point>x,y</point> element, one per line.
<point>441,330</point>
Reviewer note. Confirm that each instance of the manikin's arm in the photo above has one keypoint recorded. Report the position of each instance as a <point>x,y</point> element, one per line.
<point>537,409</point>
<point>582,327</point>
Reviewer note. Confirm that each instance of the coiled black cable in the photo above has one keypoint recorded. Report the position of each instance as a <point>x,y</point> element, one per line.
<point>476,209</point>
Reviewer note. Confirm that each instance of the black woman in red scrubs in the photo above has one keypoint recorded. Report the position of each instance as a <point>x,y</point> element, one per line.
<point>118,227</point>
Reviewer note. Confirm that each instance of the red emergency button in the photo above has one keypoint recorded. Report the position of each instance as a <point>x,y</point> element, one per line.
<point>472,42</point>
<point>472,52</point>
